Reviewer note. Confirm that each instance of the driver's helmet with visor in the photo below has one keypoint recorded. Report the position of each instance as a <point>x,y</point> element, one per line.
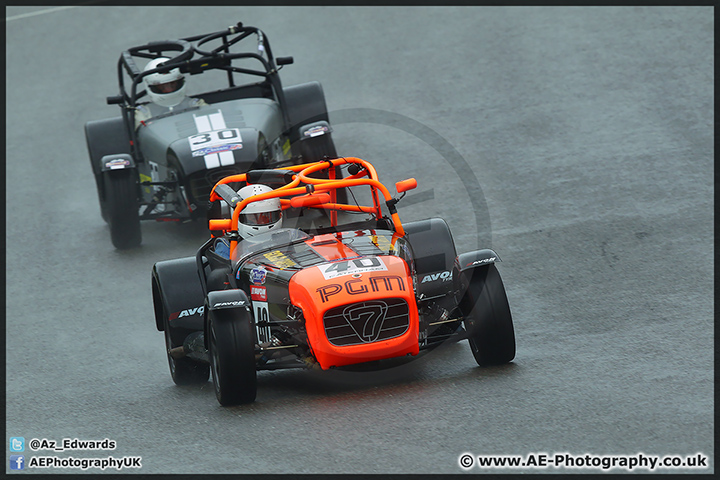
<point>166,89</point>
<point>258,217</point>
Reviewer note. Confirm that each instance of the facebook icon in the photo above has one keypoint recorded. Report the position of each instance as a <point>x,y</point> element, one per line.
<point>17,462</point>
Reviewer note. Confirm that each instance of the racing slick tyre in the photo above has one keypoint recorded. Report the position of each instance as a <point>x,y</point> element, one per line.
<point>184,371</point>
<point>231,346</point>
<point>487,318</point>
<point>101,198</point>
<point>105,137</point>
<point>317,149</point>
<point>103,210</point>
<point>122,208</point>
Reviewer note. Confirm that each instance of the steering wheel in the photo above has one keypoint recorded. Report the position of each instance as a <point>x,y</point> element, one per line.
<point>184,47</point>
<point>231,36</point>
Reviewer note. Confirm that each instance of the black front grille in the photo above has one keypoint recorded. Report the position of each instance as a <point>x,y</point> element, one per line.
<point>201,183</point>
<point>367,322</point>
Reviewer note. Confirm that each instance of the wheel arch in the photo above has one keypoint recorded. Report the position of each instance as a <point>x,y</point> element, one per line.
<point>305,104</point>
<point>222,303</point>
<point>176,288</point>
<point>434,255</point>
<point>106,137</point>
<point>471,264</point>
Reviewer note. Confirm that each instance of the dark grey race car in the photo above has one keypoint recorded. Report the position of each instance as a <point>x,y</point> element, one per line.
<point>164,169</point>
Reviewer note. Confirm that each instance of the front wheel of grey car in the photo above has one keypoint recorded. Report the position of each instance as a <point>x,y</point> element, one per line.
<point>122,208</point>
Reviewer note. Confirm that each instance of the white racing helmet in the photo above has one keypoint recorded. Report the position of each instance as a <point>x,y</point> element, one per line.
<point>164,89</point>
<point>261,216</point>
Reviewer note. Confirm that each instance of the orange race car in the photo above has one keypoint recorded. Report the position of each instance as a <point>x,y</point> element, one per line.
<point>309,266</point>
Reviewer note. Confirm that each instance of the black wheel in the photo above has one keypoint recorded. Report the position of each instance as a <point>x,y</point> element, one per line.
<point>105,137</point>
<point>101,197</point>
<point>231,345</point>
<point>263,157</point>
<point>316,149</point>
<point>122,208</point>
<point>103,210</point>
<point>184,371</point>
<point>488,319</point>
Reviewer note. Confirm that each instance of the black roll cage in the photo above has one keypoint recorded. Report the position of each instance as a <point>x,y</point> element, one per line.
<point>192,59</point>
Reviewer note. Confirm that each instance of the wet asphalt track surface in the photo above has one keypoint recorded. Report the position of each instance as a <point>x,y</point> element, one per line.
<point>589,132</point>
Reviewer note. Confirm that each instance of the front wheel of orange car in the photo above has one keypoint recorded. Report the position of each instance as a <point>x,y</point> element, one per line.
<point>231,346</point>
<point>487,318</point>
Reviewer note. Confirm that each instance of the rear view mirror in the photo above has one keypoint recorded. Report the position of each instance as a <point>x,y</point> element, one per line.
<point>405,185</point>
<point>220,224</point>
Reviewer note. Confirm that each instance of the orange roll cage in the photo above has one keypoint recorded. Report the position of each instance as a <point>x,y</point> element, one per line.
<point>310,190</point>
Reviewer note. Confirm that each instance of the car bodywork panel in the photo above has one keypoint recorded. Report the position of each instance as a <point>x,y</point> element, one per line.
<point>181,153</point>
<point>331,271</point>
<point>338,295</point>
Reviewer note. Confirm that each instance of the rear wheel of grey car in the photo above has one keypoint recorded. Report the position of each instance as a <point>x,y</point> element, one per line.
<point>488,319</point>
<point>101,197</point>
<point>231,345</point>
<point>184,371</point>
<point>122,208</point>
<point>316,149</point>
<point>320,148</point>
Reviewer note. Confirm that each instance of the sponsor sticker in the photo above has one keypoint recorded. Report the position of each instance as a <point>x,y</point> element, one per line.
<point>233,303</point>
<point>444,276</point>
<point>482,261</point>
<point>257,275</point>
<point>117,163</point>
<point>280,259</point>
<point>316,131</point>
<point>217,149</point>
<point>382,243</point>
<point>258,294</point>
<point>189,312</point>
<point>350,267</point>
<point>359,286</point>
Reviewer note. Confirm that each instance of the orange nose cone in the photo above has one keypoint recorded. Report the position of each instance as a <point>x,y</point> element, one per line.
<point>357,310</point>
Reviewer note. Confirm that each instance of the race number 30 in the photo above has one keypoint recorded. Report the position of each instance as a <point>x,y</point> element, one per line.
<point>213,138</point>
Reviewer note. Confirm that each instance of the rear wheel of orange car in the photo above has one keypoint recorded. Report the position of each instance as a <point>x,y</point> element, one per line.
<point>231,345</point>
<point>488,320</point>
<point>184,371</point>
<point>122,205</point>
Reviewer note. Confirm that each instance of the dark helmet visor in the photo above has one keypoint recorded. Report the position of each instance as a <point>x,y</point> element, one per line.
<point>260,219</point>
<point>168,87</point>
